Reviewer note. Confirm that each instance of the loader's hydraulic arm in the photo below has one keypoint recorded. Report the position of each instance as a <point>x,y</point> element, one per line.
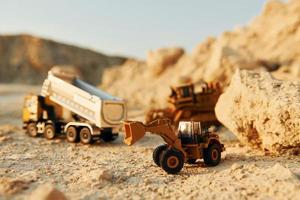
<point>135,130</point>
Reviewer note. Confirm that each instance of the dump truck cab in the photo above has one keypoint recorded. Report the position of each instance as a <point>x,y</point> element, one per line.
<point>41,116</point>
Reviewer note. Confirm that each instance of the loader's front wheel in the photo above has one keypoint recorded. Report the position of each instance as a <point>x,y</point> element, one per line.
<point>49,132</point>
<point>31,129</point>
<point>85,135</point>
<point>172,161</point>
<point>212,155</point>
<point>157,153</point>
<point>71,134</point>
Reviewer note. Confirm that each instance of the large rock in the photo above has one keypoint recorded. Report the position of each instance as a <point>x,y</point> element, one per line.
<point>262,111</point>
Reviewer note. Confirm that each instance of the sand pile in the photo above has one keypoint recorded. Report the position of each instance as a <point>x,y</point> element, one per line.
<point>27,59</point>
<point>270,42</point>
<point>262,111</point>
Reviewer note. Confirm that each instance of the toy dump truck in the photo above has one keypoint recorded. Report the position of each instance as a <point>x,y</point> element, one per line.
<point>192,141</point>
<point>94,113</point>
<point>185,104</point>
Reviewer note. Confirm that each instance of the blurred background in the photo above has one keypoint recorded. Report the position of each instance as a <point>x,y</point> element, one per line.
<point>128,28</point>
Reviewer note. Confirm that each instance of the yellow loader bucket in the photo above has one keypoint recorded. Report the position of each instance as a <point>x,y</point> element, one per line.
<point>133,132</point>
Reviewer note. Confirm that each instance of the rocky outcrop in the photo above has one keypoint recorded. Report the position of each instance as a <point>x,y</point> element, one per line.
<point>160,59</point>
<point>26,59</point>
<point>269,42</point>
<point>262,111</point>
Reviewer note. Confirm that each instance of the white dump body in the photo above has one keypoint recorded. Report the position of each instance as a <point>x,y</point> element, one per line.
<point>85,100</point>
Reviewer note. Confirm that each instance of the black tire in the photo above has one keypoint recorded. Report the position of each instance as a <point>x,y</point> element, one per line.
<point>32,129</point>
<point>212,155</point>
<point>158,152</point>
<point>172,161</point>
<point>191,161</point>
<point>85,135</point>
<point>108,135</point>
<point>71,134</point>
<point>49,132</point>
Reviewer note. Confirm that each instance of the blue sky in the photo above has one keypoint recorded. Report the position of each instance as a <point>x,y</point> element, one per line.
<point>128,27</point>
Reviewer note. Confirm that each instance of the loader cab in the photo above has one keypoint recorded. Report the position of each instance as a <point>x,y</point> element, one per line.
<point>191,132</point>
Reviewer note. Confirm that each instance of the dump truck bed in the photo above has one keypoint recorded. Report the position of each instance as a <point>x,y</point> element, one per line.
<point>85,100</point>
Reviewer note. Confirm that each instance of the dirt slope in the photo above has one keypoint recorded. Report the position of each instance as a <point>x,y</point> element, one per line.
<point>26,59</point>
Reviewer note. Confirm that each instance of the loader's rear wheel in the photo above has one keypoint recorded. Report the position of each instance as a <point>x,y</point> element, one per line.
<point>32,129</point>
<point>85,135</point>
<point>71,134</point>
<point>171,161</point>
<point>158,152</point>
<point>212,155</point>
<point>49,132</point>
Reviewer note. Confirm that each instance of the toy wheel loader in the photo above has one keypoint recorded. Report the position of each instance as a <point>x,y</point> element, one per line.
<point>191,142</point>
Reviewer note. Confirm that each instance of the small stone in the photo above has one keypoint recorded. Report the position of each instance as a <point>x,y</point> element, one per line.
<point>280,172</point>
<point>236,166</point>
<point>105,174</point>
<point>10,186</point>
<point>47,192</point>
<point>4,138</point>
<point>70,149</point>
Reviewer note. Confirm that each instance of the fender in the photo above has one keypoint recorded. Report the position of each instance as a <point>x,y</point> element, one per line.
<point>79,124</point>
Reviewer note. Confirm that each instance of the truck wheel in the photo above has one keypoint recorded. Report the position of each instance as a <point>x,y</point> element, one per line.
<point>85,135</point>
<point>71,134</point>
<point>31,129</point>
<point>212,155</point>
<point>171,161</point>
<point>49,131</point>
<point>158,152</point>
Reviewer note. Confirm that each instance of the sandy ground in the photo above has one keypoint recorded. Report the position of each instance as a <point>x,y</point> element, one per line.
<point>116,171</point>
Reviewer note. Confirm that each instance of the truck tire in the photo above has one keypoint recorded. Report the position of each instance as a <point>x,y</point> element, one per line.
<point>85,135</point>
<point>49,132</point>
<point>31,129</point>
<point>157,153</point>
<point>212,155</point>
<point>71,134</point>
<point>171,161</point>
